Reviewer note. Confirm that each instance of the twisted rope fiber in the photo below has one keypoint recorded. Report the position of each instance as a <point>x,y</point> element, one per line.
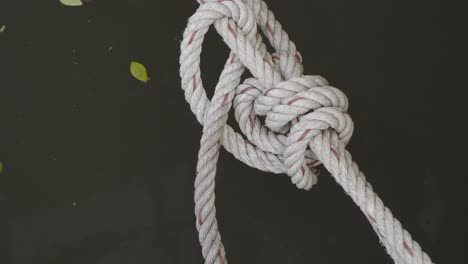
<point>306,123</point>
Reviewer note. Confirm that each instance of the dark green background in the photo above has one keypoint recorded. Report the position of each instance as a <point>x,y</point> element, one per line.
<point>77,128</point>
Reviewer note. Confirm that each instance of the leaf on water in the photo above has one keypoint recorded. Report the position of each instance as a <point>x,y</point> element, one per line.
<point>71,2</point>
<point>2,28</point>
<point>1,167</point>
<point>138,71</point>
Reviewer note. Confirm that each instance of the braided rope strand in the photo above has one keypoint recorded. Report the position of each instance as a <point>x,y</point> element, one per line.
<point>306,121</point>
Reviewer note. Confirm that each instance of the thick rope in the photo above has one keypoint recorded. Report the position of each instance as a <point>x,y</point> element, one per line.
<point>305,121</point>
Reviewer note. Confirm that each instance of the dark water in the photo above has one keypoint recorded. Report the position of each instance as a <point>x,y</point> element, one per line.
<point>99,167</point>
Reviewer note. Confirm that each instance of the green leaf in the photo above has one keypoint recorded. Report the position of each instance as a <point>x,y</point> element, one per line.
<point>72,2</point>
<point>138,71</point>
<point>1,167</point>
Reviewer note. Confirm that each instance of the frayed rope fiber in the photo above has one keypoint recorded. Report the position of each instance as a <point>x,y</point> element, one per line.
<point>305,121</point>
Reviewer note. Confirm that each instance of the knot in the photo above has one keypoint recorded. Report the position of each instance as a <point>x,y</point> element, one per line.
<point>278,110</point>
<point>286,106</point>
<point>333,120</point>
<point>295,110</point>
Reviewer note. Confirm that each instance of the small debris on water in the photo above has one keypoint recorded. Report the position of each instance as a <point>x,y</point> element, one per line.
<point>74,204</point>
<point>138,71</point>
<point>2,28</point>
<point>74,58</point>
<point>72,2</point>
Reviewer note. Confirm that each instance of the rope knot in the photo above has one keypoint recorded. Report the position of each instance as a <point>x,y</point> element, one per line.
<point>333,123</point>
<point>299,108</point>
<point>303,107</point>
<point>278,109</point>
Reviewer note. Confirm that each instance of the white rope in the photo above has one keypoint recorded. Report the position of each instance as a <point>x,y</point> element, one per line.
<point>306,123</point>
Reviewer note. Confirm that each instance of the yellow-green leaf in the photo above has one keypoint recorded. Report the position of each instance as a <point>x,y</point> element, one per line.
<point>138,71</point>
<point>72,2</point>
<point>1,167</point>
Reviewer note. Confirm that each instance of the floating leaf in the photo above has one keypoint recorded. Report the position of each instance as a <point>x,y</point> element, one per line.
<point>138,71</point>
<point>1,167</point>
<point>72,2</point>
<point>2,28</point>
